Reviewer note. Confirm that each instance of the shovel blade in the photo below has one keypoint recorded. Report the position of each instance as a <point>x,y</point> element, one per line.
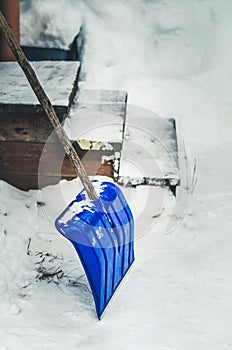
<point>102,233</point>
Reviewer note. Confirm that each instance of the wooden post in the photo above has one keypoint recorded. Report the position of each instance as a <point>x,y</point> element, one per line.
<point>11,10</point>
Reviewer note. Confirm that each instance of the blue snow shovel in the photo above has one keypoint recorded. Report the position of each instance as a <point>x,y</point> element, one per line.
<point>101,231</point>
<point>99,222</point>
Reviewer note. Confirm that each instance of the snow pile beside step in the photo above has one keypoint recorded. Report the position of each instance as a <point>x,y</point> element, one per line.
<point>171,56</point>
<point>18,214</point>
<point>50,23</point>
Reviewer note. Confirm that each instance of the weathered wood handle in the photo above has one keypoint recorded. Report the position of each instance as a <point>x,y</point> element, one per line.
<point>47,106</point>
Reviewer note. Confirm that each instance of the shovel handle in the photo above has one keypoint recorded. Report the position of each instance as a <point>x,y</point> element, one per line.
<point>47,106</point>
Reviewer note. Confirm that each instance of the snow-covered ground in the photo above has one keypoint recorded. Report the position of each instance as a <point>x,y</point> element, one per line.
<point>174,58</point>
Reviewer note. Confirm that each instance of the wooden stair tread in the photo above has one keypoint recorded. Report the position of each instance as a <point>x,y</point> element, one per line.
<point>150,152</point>
<point>97,119</point>
<point>58,78</point>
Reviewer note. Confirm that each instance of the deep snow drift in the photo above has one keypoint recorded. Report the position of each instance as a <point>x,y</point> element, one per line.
<point>173,57</point>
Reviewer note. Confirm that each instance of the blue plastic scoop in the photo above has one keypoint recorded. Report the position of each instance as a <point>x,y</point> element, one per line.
<point>102,233</point>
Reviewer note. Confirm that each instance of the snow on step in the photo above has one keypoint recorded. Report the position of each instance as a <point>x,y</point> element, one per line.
<point>150,153</point>
<point>56,77</point>
<point>97,119</point>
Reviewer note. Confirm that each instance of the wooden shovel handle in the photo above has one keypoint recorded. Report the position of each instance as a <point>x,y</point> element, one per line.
<point>47,106</point>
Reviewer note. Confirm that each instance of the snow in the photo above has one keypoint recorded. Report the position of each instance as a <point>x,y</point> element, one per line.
<point>149,149</point>
<point>174,58</point>
<point>50,75</point>
<point>44,23</point>
<point>95,123</point>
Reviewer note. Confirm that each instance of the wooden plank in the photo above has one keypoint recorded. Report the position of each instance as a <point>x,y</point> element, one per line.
<point>29,109</point>
<point>50,151</point>
<point>24,158</point>
<point>30,166</point>
<point>30,181</point>
<point>27,127</point>
<point>59,79</point>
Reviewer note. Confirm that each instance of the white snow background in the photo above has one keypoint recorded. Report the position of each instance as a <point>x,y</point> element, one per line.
<point>174,58</point>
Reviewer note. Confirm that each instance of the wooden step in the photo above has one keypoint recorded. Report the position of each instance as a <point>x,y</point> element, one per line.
<point>24,127</point>
<point>26,144</point>
<point>97,116</point>
<point>150,151</point>
<point>59,79</point>
<point>97,121</point>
